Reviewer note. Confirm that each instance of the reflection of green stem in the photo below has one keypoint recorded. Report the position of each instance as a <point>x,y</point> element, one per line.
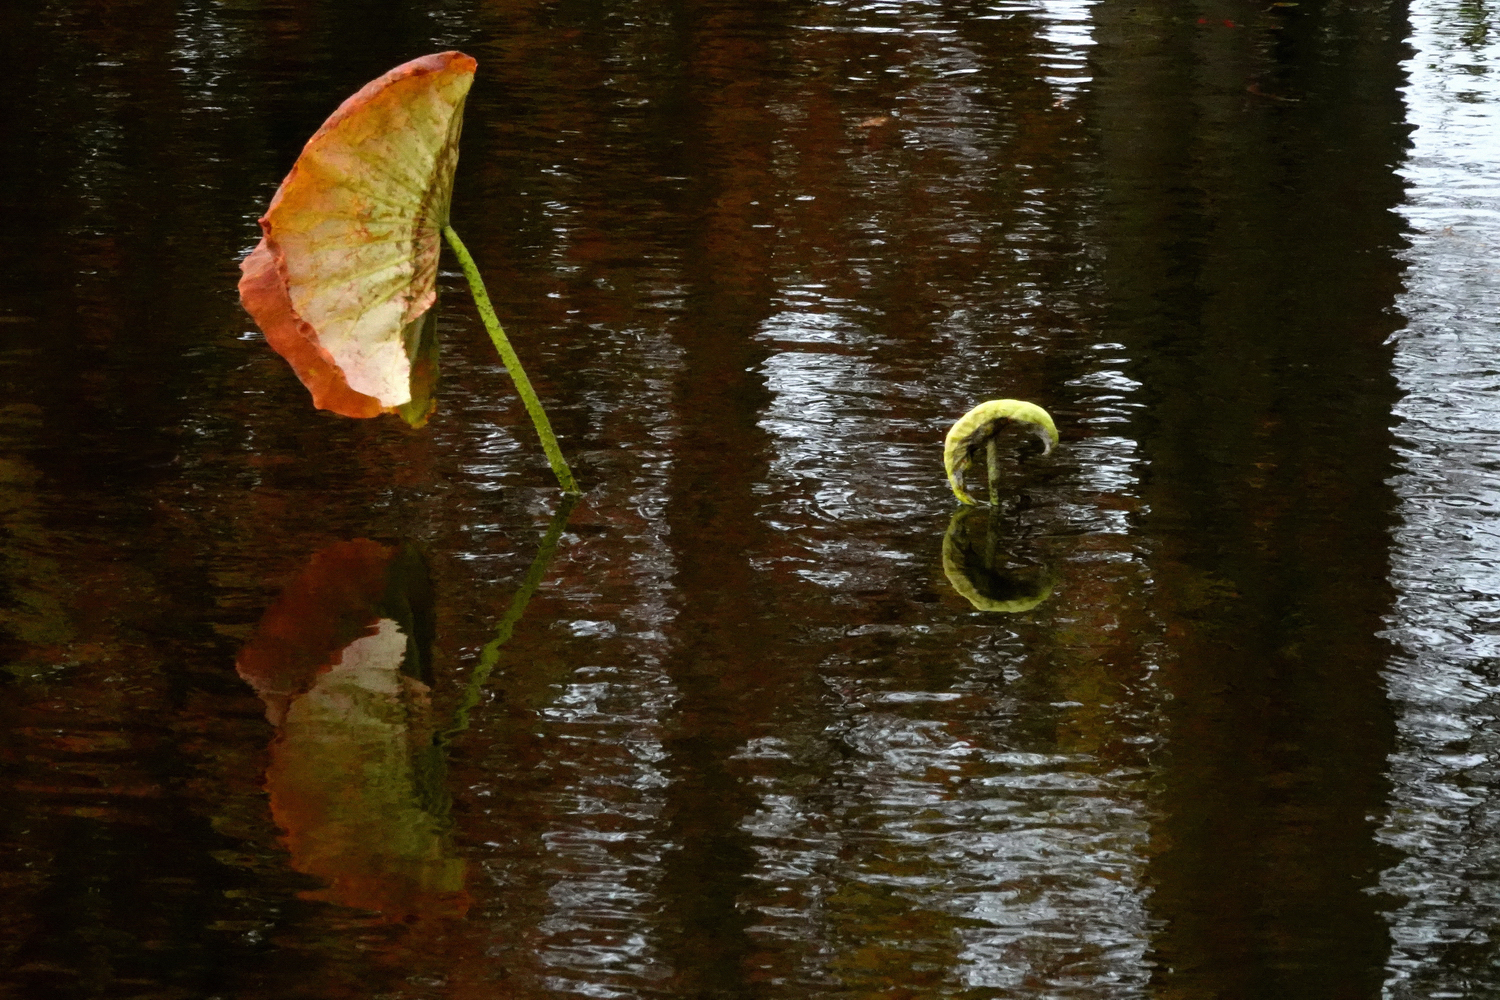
<point>489,657</point>
<point>512,364</point>
<point>992,470</point>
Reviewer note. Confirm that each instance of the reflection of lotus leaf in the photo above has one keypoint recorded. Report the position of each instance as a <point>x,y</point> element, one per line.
<point>978,427</point>
<point>972,573</point>
<point>356,781</point>
<point>345,785</point>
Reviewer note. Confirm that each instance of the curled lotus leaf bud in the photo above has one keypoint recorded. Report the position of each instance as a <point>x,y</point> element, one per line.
<point>978,428</point>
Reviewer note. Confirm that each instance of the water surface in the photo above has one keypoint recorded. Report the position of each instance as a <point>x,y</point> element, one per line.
<point>748,739</point>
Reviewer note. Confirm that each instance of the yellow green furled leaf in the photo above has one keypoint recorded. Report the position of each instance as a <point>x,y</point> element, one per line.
<point>980,425</point>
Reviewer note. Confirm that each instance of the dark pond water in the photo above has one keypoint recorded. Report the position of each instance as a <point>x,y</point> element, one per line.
<point>748,739</point>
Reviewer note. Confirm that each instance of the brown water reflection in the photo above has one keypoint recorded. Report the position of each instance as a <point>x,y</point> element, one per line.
<point>747,740</point>
<point>1260,329</point>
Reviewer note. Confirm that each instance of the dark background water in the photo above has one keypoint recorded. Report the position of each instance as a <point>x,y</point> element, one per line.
<point>747,739</point>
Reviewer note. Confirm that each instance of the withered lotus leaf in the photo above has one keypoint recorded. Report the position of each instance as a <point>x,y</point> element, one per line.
<point>346,270</point>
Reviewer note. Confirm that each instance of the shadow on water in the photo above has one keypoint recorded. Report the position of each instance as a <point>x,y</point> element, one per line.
<point>1253,261</point>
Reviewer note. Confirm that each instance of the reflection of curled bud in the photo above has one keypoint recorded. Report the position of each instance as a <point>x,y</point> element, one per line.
<point>971,569</point>
<point>978,429</point>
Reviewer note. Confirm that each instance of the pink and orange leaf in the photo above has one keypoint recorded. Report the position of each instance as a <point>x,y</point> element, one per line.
<point>345,276</point>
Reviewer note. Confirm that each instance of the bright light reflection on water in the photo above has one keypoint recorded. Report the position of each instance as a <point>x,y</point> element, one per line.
<point>1445,813</point>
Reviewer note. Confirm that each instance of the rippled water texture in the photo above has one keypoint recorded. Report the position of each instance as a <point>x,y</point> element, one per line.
<point>1445,816</point>
<point>293,708</point>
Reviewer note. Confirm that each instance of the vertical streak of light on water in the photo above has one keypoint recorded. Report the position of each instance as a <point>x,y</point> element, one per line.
<point>1445,681</point>
<point>1027,849</point>
<point>604,842</point>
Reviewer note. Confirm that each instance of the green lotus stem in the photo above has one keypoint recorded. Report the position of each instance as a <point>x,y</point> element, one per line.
<point>489,656</point>
<point>513,364</point>
<point>991,524</point>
